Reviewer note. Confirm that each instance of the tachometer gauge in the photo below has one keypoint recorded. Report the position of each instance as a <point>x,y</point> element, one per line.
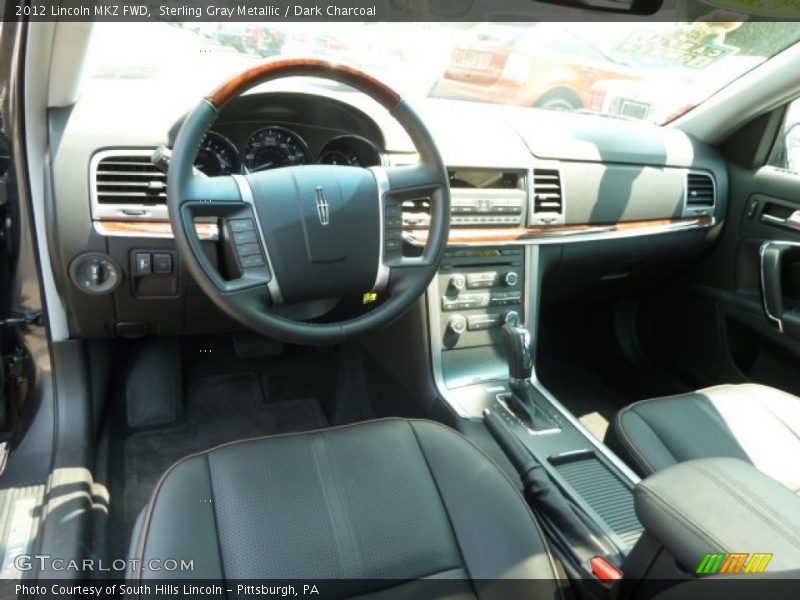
<point>274,147</point>
<point>217,156</point>
<point>339,157</point>
<point>350,151</point>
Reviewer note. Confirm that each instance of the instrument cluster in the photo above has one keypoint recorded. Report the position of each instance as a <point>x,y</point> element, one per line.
<point>275,146</point>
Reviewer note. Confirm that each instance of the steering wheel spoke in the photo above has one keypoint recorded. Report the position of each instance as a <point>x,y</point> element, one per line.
<point>242,245</point>
<point>222,189</point>
<point>406,272</point>
<point>411,180</point>
<point>420,183</point>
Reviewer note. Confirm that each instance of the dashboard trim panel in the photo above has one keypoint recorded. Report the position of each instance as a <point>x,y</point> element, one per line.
<point>152,229</point>
<point>564,234</point>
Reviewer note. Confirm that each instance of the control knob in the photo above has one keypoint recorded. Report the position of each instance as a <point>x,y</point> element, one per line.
<point>511,279</point>
<point>457,324</point>
<point>95,273</point>
<point>512,318</point>
<point>458,281</point>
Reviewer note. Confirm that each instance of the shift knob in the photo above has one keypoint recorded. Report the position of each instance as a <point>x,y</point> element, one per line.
<point>517,341</point>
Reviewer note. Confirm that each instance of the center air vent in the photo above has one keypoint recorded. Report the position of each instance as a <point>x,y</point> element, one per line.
<point>700,193</point>
<point>548,197</point>
<point>126,184</point>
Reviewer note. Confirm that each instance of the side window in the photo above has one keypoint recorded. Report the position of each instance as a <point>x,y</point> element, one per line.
<point>786,153</point>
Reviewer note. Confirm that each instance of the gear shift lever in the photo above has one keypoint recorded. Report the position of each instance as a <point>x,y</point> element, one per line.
<point>517,341</point>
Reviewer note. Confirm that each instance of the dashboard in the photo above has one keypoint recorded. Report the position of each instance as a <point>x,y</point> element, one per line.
<point>638,198</point>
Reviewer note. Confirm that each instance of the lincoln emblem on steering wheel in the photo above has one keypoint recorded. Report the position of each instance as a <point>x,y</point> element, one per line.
<point>323,210</point>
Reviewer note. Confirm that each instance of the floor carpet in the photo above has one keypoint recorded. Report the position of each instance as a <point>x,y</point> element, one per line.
<point>219,409</point>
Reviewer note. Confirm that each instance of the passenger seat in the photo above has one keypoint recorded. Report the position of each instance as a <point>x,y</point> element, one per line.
<point>752,422</point>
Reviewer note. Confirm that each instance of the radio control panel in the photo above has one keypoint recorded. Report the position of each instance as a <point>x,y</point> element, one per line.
<point>489,198</point>
<point>470,209</point>
<point>480,289</point>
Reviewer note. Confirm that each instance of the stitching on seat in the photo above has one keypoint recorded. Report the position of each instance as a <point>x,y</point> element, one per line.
<point>505,476</point>
<point>345,510</point>
<point>627,441</point>
<point>752,503</point>
<point>214,514</point>
<point>443,503</point>
<point>691,527</point>
<point>329,502</point>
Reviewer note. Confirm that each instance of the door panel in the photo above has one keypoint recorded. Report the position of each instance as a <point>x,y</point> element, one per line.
<point>714,328</point>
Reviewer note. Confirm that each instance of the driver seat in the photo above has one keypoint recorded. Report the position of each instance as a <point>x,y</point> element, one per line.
<point>392,500</point>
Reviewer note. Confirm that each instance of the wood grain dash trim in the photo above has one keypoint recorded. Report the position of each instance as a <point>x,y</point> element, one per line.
<point>153,228</point>
<point>480,235</point>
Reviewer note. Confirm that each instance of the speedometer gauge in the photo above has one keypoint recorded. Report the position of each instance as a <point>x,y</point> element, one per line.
<point>217,156</point>
<point>274,147</point>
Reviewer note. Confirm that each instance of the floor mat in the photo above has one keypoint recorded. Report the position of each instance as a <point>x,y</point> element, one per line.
<point>219,409</point>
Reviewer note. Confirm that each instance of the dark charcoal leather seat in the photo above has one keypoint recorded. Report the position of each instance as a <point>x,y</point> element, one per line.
<point>383,500</point>
<point>751,422</point>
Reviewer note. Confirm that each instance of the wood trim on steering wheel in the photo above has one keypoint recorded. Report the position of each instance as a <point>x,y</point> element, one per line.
<point>303,67</point>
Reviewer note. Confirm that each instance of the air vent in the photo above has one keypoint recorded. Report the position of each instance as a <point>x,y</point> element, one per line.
<point>129,178</point>
<point>699,192</point>
<point>548,197</point>
<point>417,212</point>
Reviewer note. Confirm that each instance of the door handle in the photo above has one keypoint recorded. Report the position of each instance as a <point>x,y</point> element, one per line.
<point>792,221</point>
<point>771,255</point>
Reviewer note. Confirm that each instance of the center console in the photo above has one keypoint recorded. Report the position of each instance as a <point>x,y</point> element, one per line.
<point>483,308</point>
<point>478,289</point>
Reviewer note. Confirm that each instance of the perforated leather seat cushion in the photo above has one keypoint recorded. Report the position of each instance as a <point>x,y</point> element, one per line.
<point>384,500</point>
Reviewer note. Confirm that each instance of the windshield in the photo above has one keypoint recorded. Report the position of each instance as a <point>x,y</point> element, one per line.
<point>648,71</point>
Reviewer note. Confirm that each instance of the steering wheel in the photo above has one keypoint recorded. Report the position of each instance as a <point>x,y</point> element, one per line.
<point>313,232</point>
